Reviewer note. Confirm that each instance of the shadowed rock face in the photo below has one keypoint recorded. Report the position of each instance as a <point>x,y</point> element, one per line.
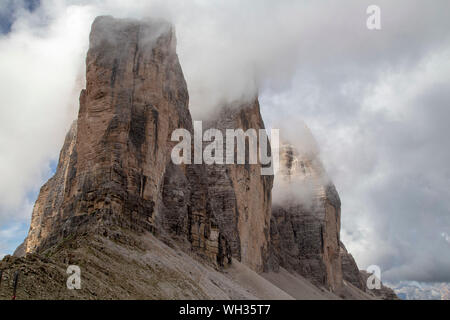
<point>305,227</point>
<point>240,196</point>
<point>384,293</point>
<point>115,169</point>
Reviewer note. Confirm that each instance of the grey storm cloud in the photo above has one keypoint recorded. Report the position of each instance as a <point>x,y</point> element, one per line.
<point>377,102</point>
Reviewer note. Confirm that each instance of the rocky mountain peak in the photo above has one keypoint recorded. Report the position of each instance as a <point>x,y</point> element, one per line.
<point>117,202</point>
<point>115,169</point>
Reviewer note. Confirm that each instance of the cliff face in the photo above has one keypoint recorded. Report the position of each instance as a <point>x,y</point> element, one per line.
<point>116,188</point>
<point>115,169</point>
<point>384,293</point>
<point>305,222</point>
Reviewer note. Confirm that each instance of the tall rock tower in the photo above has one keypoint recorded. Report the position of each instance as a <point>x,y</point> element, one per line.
<point>120,207</point>
<point>115,169</point>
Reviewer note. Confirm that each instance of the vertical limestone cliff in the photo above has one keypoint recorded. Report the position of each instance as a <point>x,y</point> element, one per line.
<point>305,224</point>
<point>240,195</point>
<point>350,270</point>
<point>117,202</point>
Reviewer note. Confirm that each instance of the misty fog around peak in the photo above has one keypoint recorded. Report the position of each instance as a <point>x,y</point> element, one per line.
<point>376,102</point>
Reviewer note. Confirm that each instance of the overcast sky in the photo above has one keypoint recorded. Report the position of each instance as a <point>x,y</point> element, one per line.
<point>377,101</point>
